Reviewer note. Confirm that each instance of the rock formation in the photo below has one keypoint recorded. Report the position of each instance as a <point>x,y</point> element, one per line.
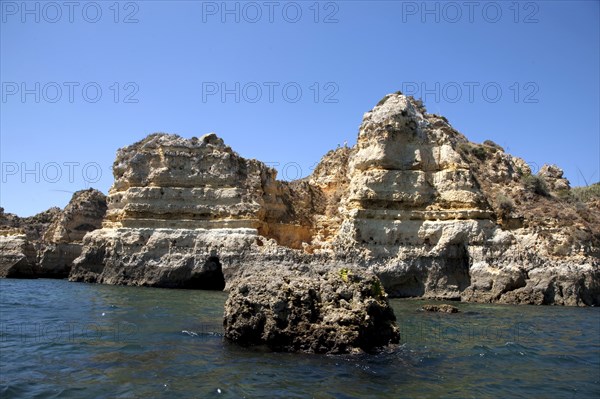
<point>62,240</point>
<point>17,256</point>
<point>310,309</point>
<point>19,242</point>
<point>444,308</point>
<point>32,227</point>
<point>46,244</point>
<point>188,213</point>
<point>430,213</point>
<point>84,213</point>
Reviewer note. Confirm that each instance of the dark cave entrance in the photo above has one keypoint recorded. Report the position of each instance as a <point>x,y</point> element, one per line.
<point>210,277</point>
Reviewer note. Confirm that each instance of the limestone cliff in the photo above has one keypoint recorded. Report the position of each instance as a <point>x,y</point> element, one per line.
<point>17,256</point>
<point>20,239</point>
<point>429,212</point>
<point>183,212</point>
<point>46,244</point>
<point>170,182</point>
<point>33,227</point>
<point>437,216</point>
<point>62,241</point>
<point>84,212</point>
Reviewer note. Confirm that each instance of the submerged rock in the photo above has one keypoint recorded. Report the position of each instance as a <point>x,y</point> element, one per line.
<point>339,310</point>
<point>440,308</point>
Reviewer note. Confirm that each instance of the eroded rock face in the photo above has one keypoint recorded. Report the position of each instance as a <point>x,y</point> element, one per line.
<point>336,310</point>
<point>174,258</point>
<point>412,205</point>
<point>166,181</point>
<point>17,257</point>
<point>33,227</point>
<point>19,241</point>
<point>176,203</point>
<point>62,241</point>
<point>553,175</point>
<point>430,213</point>
<point>46,244</point>
<point>439,217</point>
<point>84,213</point>
<point>169,182</point>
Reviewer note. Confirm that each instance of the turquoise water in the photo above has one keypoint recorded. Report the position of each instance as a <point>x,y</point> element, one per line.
<point>72,340</point>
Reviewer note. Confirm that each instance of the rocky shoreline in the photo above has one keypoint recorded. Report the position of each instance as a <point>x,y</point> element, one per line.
<point>45,245</point>
<point>414,202</point>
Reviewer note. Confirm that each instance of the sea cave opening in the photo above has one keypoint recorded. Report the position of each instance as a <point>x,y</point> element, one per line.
<point>210,278</point>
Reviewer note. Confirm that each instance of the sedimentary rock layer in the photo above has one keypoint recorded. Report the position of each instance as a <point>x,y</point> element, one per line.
<point>46,244</point>
<point>432,214</point>
<point>17,257</point>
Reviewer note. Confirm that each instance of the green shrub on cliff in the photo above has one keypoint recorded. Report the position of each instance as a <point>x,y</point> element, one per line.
<point>505,205</point>
<point>535,184</point>
<point>587,193</point>
<point>476,150</point>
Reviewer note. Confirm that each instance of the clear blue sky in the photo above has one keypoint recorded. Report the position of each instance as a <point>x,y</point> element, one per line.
<point>171,59</point>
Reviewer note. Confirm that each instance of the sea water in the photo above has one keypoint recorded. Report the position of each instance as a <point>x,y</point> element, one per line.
<point>72,340</point>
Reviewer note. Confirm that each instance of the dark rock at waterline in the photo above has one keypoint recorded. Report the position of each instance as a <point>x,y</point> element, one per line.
<point>440,308</point>
<point>339,310</point>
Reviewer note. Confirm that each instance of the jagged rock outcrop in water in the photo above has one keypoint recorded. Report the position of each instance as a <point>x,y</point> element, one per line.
<point>308,309</point>
<point>432,214</point>
<point>46,244</point>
